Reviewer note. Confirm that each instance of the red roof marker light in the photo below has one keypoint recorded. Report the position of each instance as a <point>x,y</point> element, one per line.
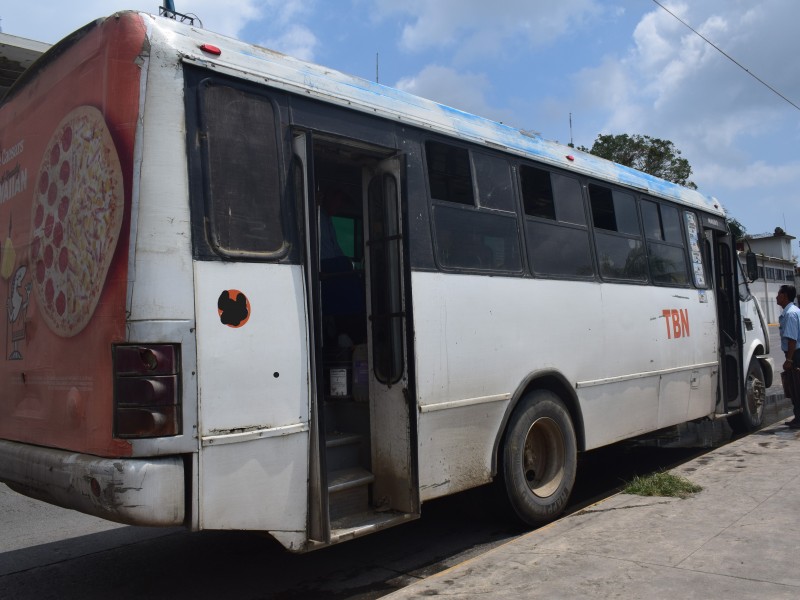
<point>211,49</point>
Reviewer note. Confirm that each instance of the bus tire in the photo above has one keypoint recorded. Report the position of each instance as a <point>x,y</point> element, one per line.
<point>752,415</point>
<point>539,458</point>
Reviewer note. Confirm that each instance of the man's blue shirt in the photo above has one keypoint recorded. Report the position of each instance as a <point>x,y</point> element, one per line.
<point>789,324</point>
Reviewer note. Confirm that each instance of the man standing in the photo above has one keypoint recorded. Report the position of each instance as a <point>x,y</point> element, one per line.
<point>789,322</point>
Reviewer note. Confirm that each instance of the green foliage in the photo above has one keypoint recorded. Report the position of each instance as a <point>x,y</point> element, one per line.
<point>736,228</point>
<point>651,155</point>
<point>662,484</point>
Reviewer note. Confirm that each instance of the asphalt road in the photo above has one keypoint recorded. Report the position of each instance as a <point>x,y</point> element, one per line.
<point>48,552</point>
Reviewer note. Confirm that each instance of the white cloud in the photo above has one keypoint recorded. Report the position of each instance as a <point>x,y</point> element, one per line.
<point>736,134</point>
<point>673,84</point>
<point>756,175</point>
<point>464,91</point>
<point>482,28</point>
<point>285,12</point>
<point>298,41</point>
<point>51,20</point>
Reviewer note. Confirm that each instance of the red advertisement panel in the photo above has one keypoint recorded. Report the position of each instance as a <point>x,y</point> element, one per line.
<point>66,174</point>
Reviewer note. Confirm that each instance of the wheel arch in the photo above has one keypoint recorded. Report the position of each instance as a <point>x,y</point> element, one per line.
<point>546,379</point>
<point>757,351</point>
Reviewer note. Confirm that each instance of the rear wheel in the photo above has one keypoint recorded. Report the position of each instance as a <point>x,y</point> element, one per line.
<point>539,458</point>
<point>755,395</point>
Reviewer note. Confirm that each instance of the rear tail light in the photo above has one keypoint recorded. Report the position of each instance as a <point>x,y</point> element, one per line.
<point>147,396</point>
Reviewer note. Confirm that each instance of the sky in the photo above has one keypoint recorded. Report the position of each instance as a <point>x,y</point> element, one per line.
<point>568,70</point>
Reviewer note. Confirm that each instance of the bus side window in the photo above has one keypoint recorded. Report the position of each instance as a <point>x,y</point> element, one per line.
<point>666,253</point>
<point>484,238</point>
<point>470,239</point>
<point>555,223</point>
<point>495,184</point>
<point>618,239</point>
<point>449,173</point>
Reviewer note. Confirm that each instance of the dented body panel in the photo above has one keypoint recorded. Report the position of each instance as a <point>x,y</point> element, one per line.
<point>136,492</point>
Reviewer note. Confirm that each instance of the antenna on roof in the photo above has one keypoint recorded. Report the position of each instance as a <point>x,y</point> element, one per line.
<point>571,143</point>
<point>167,9</point>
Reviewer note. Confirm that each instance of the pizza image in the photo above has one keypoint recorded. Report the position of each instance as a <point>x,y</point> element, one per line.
<point>78,203</point>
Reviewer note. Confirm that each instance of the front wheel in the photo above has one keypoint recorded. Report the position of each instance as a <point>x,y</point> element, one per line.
<point>539,458</point>
<point>755,395</point>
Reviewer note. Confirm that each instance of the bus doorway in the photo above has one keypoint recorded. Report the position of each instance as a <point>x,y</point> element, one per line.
<point>364,472</point>
<point>727,315</point>
<point>740,399</point>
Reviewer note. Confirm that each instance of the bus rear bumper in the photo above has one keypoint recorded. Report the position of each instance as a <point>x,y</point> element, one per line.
<point>126,490</point>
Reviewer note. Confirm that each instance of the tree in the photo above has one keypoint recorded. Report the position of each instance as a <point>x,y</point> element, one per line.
<point>737,230</point>
<point>651,155</point>
<point>654,156</point>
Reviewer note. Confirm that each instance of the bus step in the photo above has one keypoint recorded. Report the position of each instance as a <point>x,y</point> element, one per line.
<point>348,492</point>
<point>344,451</point>
<point>346,479</point>
<point>360,524</point>
<point>346,415</point>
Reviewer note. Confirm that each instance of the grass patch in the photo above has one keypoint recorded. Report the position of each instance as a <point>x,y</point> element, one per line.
<point>661,484</point>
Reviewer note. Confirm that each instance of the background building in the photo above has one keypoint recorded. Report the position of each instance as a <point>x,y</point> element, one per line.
<point>16,55</point>
<point>777,265</point>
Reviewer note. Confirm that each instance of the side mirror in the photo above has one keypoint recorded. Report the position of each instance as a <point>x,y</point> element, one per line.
<point>752,266</point>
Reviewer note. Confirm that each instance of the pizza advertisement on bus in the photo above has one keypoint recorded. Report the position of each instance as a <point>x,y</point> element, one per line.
<point>77,214</point>
<point>67,151</point>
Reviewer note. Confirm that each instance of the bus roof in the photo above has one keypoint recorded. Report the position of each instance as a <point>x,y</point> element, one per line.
<point>279,70</point>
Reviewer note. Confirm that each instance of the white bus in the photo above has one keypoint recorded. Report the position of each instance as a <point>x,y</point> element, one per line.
<point>249,292</point>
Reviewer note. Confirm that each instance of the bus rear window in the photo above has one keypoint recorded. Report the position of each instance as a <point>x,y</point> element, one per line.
<point>242,172</point>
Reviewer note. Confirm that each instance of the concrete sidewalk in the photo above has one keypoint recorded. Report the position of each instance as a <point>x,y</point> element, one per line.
<point>737,538</point>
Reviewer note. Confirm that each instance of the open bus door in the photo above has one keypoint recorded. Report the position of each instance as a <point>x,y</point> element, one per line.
<point>740,399</point>
<point>727,297</point>
<point>390,401</point>
<point>362,474</point>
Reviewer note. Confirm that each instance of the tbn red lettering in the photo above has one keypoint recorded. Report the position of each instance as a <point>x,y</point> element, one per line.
<point>677,322</point>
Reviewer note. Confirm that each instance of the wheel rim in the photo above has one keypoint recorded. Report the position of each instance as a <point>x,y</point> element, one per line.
<point>544,457</point>
<point>756,394</point>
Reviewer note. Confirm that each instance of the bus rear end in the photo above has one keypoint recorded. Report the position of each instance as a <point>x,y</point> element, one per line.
<point>75,394</point>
